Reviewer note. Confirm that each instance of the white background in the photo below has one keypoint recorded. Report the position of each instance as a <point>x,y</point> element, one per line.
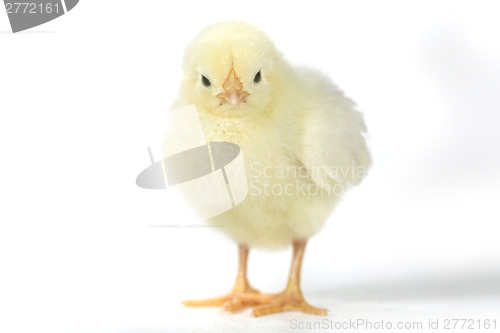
<point>82,97</point>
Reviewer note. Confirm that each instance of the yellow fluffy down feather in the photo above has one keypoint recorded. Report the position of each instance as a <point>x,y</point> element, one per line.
<point>301,138</point>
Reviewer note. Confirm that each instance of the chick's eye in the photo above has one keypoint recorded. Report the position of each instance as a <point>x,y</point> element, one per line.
<point>205,81</point>
<point>257,77</point>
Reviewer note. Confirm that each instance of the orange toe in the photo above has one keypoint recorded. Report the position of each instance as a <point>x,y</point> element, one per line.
<point>217,301</point>
<point>287,301</point>
<point>234,301</point>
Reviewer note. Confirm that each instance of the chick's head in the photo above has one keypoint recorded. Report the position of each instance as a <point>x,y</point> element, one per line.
<point>231,69</point>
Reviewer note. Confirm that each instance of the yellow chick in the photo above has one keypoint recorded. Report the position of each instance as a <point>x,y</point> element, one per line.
<point>302,143</point>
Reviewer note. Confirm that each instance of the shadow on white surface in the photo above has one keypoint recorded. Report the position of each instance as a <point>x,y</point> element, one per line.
<point>429,287</point>
<point>412,299</point>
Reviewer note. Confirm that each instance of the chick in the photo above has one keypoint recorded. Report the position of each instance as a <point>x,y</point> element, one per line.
<point>302,142</point>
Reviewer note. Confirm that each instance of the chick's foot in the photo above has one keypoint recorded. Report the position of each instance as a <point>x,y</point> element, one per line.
<point>236,300</point>
<point>242,295</point>
<point>290,299</point>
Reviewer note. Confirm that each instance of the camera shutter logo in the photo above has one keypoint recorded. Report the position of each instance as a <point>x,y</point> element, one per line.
<point>32,13</point>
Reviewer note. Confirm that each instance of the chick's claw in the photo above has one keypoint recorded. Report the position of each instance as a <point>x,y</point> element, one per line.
<point>287,301</point>
<point>233,302</point>
<point>243,301</point>
<point>218,301</point>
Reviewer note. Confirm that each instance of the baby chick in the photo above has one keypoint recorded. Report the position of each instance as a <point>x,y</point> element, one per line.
<point>302,143</point>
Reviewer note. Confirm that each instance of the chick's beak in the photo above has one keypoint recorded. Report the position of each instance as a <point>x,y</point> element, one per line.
<point>233,93</point>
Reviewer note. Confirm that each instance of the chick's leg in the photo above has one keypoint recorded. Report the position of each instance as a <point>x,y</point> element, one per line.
<point>291,298</point>
<point>242,295</point>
